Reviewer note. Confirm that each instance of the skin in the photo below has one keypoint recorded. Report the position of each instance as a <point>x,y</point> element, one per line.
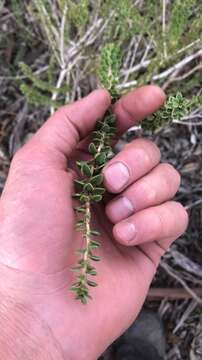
<point>38,239</point>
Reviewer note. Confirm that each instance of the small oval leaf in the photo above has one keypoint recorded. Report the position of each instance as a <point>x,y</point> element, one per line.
<point>86,169</point>
<point>95,232</point>
<point>99,191</point>
<point>83,198</point>
<point>89,187</point>
<point>91,283</point>
<point>97,180</point>
<point>100,159</point>
<point>92,149</point>
<point>95,258</point>
<point>79,184</point>
<point>96,198</point>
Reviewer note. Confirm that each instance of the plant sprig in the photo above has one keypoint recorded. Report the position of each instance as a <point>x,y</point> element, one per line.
<point>109,69</point>
<point>175,108</point>
<point>90,190</point>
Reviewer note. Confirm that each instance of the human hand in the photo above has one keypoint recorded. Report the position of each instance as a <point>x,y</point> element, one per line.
<point>38,239</point>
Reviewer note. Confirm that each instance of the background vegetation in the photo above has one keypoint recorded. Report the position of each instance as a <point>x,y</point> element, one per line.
<point>49,55</point>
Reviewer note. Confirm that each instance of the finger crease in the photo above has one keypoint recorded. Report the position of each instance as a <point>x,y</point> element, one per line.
<point>148,257</point>
<point>163,249</point>
<point>125,110</point>
<point>75,127</point>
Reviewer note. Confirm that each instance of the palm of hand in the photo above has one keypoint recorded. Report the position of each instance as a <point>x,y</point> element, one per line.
<point>48,247</point>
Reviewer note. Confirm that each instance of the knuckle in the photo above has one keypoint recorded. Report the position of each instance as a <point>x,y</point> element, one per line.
<point>18,163</point>
<point>142,154</point>
<point>145,151</point>
<point>170,169</point>
<point>171,177</point>
<point>160,224</point>
<point>179,211</point>
<point>19,156</point>
<point>184,216</point>
<point>153,152</point>
<point>165,216</point>
<point>64,112</point>
<point>160,249</point>
<point>172,220</point>
<point>147,145</point>
<point>148,191</point>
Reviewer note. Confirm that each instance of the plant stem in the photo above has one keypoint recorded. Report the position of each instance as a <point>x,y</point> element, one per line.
<point>87,234</point>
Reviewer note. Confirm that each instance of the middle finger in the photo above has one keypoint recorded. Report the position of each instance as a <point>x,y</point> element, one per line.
<point>160,185</point>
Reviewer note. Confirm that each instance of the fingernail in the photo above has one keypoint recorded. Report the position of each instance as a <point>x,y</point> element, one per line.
<point>116,176</point>
<point>126,231</point>
<point>119,209</point>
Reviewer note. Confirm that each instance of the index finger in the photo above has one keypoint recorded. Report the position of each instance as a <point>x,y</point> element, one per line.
<point>138,104</point>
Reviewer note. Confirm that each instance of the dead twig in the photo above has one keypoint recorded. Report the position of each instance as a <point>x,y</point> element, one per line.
<point>156,294</point>
<point>191,307</point>
<point>174,275</point>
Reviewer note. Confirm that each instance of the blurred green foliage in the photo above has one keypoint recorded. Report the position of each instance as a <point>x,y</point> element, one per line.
<point>74,34</point>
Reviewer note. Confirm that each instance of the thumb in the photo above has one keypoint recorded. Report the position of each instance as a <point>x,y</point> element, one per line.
<point>70,124</point>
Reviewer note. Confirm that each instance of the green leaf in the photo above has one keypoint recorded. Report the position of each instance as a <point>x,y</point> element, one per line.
<point>100,159</point>
<point>83,198</point>
<point>79,209</point>
<point>99,167</point>
<point>87,170</point>
<point>106,128</point>
<point>80,164</point>
<point>89,187</point>
<point>82,263</point>
<point>94,258</point>
<point>91,283</point>
<point>84,299</point>
<point>99,124</point>
<point>74,288</point>
<point>92,149</point>
<point>98,134</point>
<point>77,268</point>
<point>76,196</point>
<point>97,180</point>
<point>95,233</point>
<point>96,198</point>
<point>93,242</point>
<point>79,224</point>
<point>92,272</point>
<point>79,184</point>
<point>97,140</point>
<point>99,191</point>
<point>110,155</point>
<point>111,119</point>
